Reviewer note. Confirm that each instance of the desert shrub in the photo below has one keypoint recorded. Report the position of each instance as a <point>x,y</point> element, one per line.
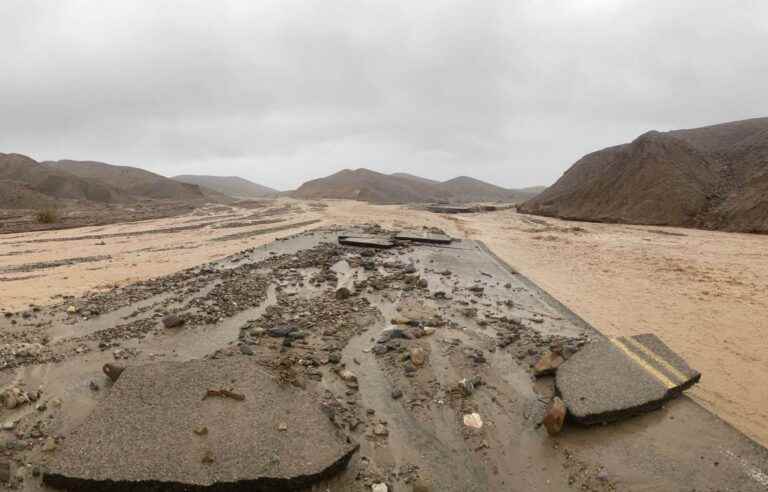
<point>46,216</point>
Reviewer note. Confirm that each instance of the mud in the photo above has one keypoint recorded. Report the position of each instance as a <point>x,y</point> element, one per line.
<point>389,340</point>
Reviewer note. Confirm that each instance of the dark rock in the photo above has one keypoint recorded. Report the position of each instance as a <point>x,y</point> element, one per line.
<point>380,349</point>
<point>113,371</point>
<point>397,394</point>
<point>280,331</point>
<point>246,350</point>
<point>172,321</point>
<point>343,293</point>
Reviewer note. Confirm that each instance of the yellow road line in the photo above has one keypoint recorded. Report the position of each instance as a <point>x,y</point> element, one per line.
<point>648,368</point>
<point>657,358</point>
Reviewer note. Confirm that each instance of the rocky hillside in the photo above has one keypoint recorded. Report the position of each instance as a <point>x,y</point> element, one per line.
<point>371,186</point>
<point>233,186</point>
<point>131,180</point>
<point>712,177</point>
<point>26,183</point>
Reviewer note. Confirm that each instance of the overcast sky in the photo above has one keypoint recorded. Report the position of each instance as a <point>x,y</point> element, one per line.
<point>283,91</point>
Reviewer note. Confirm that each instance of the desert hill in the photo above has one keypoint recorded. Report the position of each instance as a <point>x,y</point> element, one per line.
<point>26,183</point>
<point>711,177</point>
<point>25,179</point>
<point>131,180</point>
<point>233,186</point>
<point>371,186</point>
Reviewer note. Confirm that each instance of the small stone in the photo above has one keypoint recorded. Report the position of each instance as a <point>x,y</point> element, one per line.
<point>200,430</point>
<point>9,400</point>
<point>334,357</point>
<point>246,350</point>
<point>282,427</point>
<point>343,293</point>
<point>397,394</point>
<point>473,420</point>
<point>9,425</point>
<point>208,457</point>
<point>72,309</point>
<point>348,376</point>
<point>418,356</point>
<point>172,321</point>
<point>429,330</point>
<point>93,385</point>
<point>380,349</point>
<point>50,445</point>
<point>380,430</point>
<point>113,371</point>
<point>280,331</point>
<point>379,487</point>
<point>548,364</point>
<point>555,416</point>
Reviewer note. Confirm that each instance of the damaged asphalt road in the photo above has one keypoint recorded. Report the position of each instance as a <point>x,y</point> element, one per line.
<point>360,368</point>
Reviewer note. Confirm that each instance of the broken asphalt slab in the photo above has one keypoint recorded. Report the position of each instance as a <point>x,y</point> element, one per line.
<point>423,237</point>
<point>367,241</point>
<point>259,435</point>
<point>615,378</point>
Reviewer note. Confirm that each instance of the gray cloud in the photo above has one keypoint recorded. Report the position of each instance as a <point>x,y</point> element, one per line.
<point>283,91</point>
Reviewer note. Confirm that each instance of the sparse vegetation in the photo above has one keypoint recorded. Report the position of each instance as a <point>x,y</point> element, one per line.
<point>47,216</point>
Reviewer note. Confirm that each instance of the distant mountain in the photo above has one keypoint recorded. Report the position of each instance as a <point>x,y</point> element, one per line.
<point>131,180</point>
<point>233,186</point>
<point>712,177</point>
<point>26,183</point>
<point>366,185</point>
<point>466,189</point>
<point>416,178</point>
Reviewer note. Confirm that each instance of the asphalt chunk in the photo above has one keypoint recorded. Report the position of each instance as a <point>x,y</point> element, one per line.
<point>423,237</point>
<point>139,437</point>
<point>616,378</point>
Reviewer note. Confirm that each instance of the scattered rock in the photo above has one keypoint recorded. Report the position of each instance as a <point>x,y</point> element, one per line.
<point>397,394</point>
<point>380,430</point>
<point>246,349</point>
<point>418,356</point>
<point>201,430</point>
<point>379,487</point>
<point>280,331</point>
<point>555,416</point>
<point>208,457</point>
<point>343,293</point>
<point>473,420</point>
<point>348,376</point>
<point>282,427</point>
<point>113,371</point>
<point>468,385</point>
<point>93,385</point>
<point>72,309</point>
<point>50,445</point>
<point>548,364</point>
<point>172,321</point>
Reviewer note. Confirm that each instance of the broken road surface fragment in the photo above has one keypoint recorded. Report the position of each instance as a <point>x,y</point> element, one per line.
<point>367,241</point>
<point>423,237</point>
<point>615,378</point>
<point>146,422</point>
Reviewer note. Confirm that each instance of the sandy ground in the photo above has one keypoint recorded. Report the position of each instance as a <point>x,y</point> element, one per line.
<point>704,293</point>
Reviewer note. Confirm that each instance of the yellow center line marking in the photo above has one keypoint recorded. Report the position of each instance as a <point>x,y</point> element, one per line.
<point>657,358</point>
<point>648,368</point>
